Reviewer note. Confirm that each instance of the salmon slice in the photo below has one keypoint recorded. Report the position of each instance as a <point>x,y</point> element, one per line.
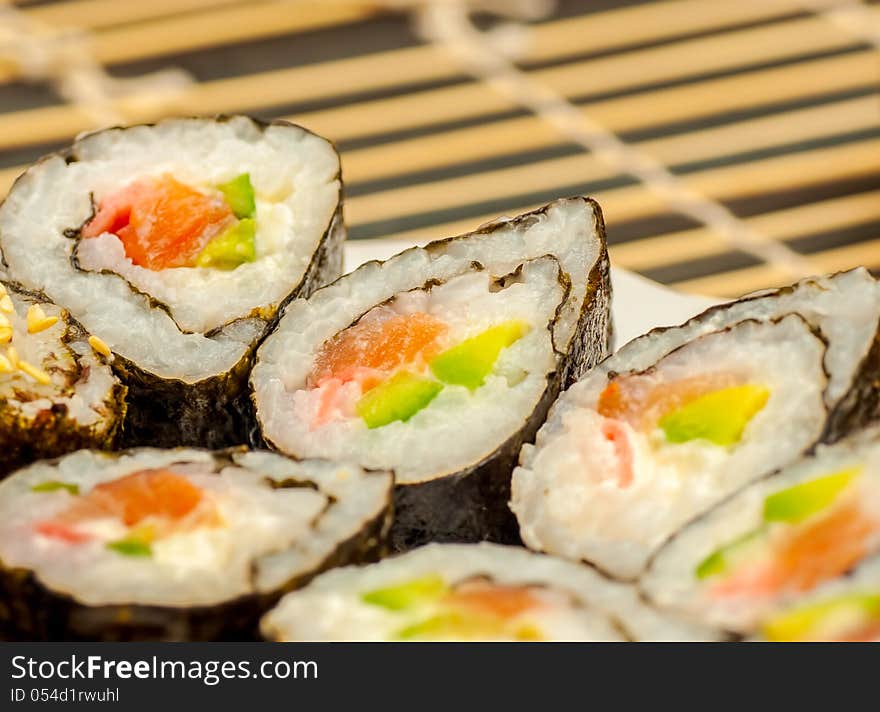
<point>160,495</point>
<point>807,556</point>
<point>374,347</point>
<point>615,432</point>
<point>825,549</point>
<point>161,222</point>
<point>493,599</point>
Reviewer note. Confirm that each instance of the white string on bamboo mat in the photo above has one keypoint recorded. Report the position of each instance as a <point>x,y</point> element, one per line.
<point>490,57</point>
<point>853,16</point>
<point>62,57</point>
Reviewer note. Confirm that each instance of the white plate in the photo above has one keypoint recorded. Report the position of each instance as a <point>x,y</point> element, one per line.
<point>639,304</point>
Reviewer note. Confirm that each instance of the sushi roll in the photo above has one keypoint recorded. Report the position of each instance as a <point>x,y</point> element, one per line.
<point>681,417</point>
<point>795,556</point>
<point>176,544</point>
<point>176,244</point>
<point>439,363</point>
<point>626,458</point>
<point>57,390</point>
<point>469,592</point>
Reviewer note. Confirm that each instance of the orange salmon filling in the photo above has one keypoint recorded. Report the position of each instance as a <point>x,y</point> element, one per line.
<point>808,556</point>
<point>491,599</point>
<point>161,222</point>
<point>826,549</point>
<point>641,402</point>
<point>613,431</point>
<point>158,495</point>
<point>373,348</point>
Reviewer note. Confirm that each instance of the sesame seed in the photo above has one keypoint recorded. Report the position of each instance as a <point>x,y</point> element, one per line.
<point>99,346</point>
<point>5,334</point>
<point>5,366</point>
<point>4,321</point>
<point>6,304</point>
<point>37,374</point>
<point>12,355</point>
<point>37,320</point>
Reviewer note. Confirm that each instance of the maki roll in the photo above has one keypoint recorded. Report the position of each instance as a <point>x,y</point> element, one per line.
<point>57,390</point>
<point>439,363</point>
<point>176,244</point>
<point>627,458</point>
<point>175,544</point>
<point>679,418</point>
<point>468,592</point>
<point>795,556</point>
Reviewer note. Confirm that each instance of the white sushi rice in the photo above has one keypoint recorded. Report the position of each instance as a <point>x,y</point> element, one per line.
<point>295,175</point>
<point>579,604</point>
<point>566,494</point>
<point>81,380</point>
<point>459,427</point>
<point>266,536</point>
<point>670,581</point>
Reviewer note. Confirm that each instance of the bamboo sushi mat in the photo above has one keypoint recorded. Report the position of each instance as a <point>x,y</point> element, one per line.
<point>733,144</point>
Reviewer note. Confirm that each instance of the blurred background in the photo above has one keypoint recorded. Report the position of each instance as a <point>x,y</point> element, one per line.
<point>733,144</point>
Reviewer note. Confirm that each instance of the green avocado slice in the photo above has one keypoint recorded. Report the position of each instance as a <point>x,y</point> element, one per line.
<point>800,501</point>
<point>54,486</point>
<point>232,248</point>
<point>460,626</point>
<point>448,624</point>
<point>239,194</point>
<point>409,594</point>
<point>719,417</point>
<point>399,398</point>
<point>468,363</point>
<point>131,547</point>
<point>721,559</point>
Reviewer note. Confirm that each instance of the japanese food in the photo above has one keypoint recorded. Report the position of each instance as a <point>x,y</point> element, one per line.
<point>440,363</point>
<point>175,544</point>
<point>679,418</point>
<point>795,556</point>
<point>175,245</point>
<point>627,458</point>
<point>57,390</point>
<point>468,592</point>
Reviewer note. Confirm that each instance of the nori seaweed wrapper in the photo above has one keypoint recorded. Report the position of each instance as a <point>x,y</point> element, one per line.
<point>860,406</point>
